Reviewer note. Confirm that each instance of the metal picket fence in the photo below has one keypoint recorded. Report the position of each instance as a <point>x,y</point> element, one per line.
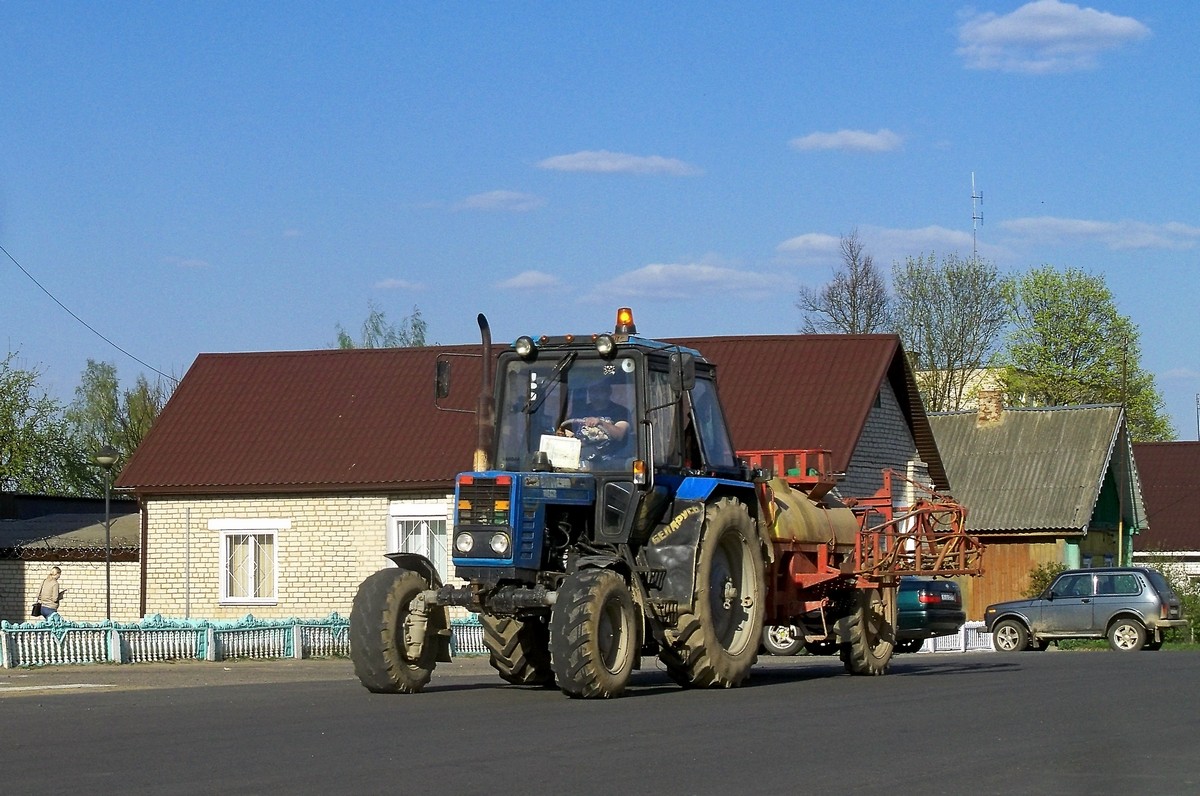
<point>970,638</point>
<point>57,641</point>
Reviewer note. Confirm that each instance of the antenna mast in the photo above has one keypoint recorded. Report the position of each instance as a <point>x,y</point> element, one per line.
<point>976,217</point>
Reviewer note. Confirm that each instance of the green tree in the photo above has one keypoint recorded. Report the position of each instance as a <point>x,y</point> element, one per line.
<point>104,414</point>
<point>378,333</point>
<point>1041,576</point>
<point>1068,346</point>
<point>38,453</point>
<point>950,315</point>
<point>855,302</point>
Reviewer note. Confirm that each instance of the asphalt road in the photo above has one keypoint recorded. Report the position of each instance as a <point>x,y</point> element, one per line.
<point>980,723</point>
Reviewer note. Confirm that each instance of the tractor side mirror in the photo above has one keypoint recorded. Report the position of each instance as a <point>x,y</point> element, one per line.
<point>682,371</point>
<point>441,379</point>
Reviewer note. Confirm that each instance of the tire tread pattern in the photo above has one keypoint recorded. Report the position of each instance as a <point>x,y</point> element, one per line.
<point>518,649</point>
<point>574,651</point>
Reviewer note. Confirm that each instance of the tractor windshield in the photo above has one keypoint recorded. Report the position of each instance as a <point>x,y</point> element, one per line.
<point>579,411</point>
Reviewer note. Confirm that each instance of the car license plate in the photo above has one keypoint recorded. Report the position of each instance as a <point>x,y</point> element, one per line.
<point>949,598</point>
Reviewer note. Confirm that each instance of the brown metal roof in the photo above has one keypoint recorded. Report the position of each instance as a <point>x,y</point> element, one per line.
<point>339,420</point>
<point>1170,473</point>
<point>364,419</point>
<point>814,391</point>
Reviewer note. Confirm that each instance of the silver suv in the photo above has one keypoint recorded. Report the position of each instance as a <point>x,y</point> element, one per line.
<point>1131,606</point>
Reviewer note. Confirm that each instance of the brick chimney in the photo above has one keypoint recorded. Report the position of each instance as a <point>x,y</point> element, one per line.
<point>991,408</point>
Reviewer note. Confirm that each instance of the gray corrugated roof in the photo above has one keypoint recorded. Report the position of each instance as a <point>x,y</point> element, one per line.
<point>1036,470</point>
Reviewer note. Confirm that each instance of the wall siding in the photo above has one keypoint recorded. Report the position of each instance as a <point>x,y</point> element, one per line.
<point>885,442</point>
<point>84,582</point>
<point>333,543</point>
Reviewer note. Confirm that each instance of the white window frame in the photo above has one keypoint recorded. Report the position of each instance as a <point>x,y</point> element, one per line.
<point>227,530</point>
<point>401,512</point>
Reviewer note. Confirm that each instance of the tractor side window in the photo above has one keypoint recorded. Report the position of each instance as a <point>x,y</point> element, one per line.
<point>661,416</point>
<point>710,423</point>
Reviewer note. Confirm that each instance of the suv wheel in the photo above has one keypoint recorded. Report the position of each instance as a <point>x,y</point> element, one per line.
<point>1126,635</point>
<point>1010,636</point>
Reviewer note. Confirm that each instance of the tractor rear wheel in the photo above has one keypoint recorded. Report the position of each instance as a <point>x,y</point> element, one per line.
<point>871,637</point>
<point>715,643</point>
<point>594,635</point>
<point>379,622</point>
<point>519,649</point>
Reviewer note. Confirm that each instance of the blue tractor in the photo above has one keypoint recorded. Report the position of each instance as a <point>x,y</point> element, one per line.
<point>608,516</point>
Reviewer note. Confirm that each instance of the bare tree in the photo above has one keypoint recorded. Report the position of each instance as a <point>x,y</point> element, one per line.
<point>949,315</point>
<point>855,302</point>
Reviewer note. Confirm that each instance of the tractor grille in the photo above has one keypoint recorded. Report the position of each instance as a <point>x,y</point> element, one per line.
<point>483,502</point>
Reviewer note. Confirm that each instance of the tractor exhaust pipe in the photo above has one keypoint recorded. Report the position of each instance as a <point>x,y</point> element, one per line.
<point>485,416</point>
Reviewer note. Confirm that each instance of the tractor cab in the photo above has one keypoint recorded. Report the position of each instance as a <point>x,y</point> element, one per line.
<point>608,403</point>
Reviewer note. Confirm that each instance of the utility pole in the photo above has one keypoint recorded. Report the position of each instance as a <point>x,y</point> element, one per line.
<point>976,217</point>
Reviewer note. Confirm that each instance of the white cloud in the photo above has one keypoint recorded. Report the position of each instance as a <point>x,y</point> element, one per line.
<point>604,162</point>
<point>506,201</point>
<point>912,242</point>
<point>531,280</point>
<point>849,141</point>
<point>811,244</point>
<point>398,284</point>
<point>1043,37</point>
<point>683,281</point>
<point>1117,235</point>
<point>883,244</point>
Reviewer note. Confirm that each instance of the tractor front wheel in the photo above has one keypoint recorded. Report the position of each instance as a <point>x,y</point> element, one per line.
<point>594,634</point>
<point>380,622</point>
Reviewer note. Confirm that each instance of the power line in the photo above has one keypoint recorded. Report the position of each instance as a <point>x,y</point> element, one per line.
<point>85,324</point>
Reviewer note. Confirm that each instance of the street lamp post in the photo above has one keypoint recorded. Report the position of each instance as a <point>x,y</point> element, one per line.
<point>106,457</point>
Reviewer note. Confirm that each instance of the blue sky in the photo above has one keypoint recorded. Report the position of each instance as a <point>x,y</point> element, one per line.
<point>200,177</point>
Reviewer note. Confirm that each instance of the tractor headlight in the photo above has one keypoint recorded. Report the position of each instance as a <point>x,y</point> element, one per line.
<point>500,543</point>
<point>524,347</point>
<point>605,345</point>
<point>463,543</point>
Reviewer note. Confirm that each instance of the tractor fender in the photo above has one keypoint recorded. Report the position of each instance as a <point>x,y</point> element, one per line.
<point>701,488</point>
<point>673,546</point>
<point>415,562</point>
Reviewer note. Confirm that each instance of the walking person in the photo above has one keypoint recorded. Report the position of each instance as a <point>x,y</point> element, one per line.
<point>50,593</point>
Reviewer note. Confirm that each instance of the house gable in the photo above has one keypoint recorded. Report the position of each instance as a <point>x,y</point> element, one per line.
<point>1170,473</point>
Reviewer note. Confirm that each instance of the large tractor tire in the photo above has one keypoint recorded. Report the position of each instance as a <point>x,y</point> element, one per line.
<point>870,639</point>
<point>715,643</point>
<point>519,649</point>
<point>594,635</point>
<point>378,624</point>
